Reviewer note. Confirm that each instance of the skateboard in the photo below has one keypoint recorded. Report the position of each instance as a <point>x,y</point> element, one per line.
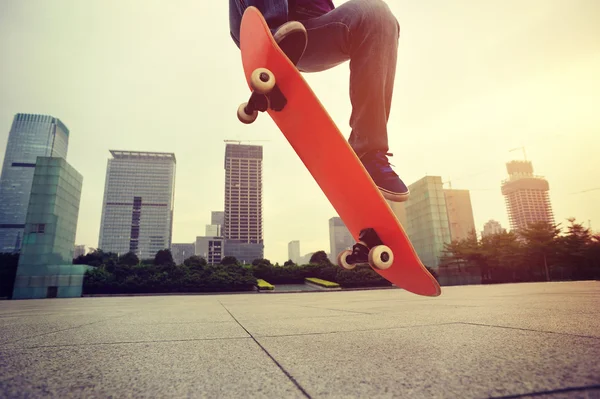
<point>278,88</point>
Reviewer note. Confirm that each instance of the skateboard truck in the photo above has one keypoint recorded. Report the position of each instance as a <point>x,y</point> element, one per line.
<point>265,94</point>
<point>369,250</point>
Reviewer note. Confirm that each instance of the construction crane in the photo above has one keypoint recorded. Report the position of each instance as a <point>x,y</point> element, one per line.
<point>520,148</point>
<point>240,141</point>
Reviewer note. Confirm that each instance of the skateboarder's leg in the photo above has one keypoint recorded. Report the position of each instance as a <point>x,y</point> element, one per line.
<point>291,36</point>
<point>366,33</point>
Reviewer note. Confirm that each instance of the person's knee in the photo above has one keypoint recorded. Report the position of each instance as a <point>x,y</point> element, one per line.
<point>376,14</point>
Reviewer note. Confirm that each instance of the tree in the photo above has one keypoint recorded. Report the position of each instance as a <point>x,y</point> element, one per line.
<point>289,263</point>
<point>96,257</point>
<point>129,259</point>
<point>320,258</point>
<point>261,261</point>
<point>195,262</point>
<point>229,260</point>
<point>163,257</point>
<point>575,250</point>
<point>540,239</point>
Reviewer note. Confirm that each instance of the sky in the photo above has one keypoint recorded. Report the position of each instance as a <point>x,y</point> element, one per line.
<point>475,82</point>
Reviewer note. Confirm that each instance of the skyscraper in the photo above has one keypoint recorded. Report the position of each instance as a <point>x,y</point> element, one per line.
<point>526,196</point>
<point>427,219</point>
<point>492,227</point>
<point>137,210</point>
<point>294,251</point>
<point>460,213</point>
<point>217,218</point>
<point>46,261</point>
<point>30,136</point>
<point>242,224</point>
<point>339,238</point>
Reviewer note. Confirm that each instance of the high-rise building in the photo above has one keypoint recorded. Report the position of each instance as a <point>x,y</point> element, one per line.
<point>211,249</point>
<point>213,230</point>
<point>46,266</point>
<point>526,196</point>
<point>492,227</point>
<point>30,136</point>
<point>217,218</point>
<point>137,210</point>
<point>294,251</point>
<point>181,252</point>
<point>399,209</point>
<point>242,225</point>
<point>427,219</point>
<point>79,251</point>
<point>339,238</point>
<point>460,214</point>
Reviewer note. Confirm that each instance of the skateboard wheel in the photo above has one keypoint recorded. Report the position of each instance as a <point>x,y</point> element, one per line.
<point>262,80</point>
<point>381,257</point>
<point>243,116</point>
<point>343,260</point>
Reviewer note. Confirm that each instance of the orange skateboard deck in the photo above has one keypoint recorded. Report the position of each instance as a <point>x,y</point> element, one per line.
<point>325,152</point>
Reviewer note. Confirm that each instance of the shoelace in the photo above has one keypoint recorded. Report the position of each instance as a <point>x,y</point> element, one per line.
<point>382,157</point>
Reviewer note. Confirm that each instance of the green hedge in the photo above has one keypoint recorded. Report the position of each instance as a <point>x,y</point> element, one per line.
<point>120,279</point>
<point>145,278</point>
<point>360,276</point>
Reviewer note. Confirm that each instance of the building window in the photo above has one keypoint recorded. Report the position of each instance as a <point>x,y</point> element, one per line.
<point>38,228</point>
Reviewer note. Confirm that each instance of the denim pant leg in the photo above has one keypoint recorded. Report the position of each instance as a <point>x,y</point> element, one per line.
<point>275,13</point>
<point>366,33</point>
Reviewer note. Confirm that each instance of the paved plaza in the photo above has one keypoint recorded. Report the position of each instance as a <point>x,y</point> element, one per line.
<point>537,340</point>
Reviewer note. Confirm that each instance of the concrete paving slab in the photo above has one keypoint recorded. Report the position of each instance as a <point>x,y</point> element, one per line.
<point>472,342</point>
<point>233,368</point>
<point>448,361</point>
<point>110,332</point>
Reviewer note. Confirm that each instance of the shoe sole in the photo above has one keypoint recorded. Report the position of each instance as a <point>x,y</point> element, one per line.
<point>290,28</point>
<point>394,197</point>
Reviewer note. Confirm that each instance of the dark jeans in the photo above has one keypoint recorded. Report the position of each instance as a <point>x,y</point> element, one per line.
<point>362,31</point>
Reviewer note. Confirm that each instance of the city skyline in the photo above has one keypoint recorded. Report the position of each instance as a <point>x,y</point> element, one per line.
<point>468,92</point>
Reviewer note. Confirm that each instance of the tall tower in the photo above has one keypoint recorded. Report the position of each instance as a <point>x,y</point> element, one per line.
<point>492,227</point>
<point>30,136</point>
<point>526,196</point>
<point>294,251</point>
<point>137,210</point>
<point>427,223</point>
<point>242,225</point>
<point>339,238</point>
<point>460,213</point>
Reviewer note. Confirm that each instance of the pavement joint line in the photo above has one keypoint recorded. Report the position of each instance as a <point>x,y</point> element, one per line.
<point>360,330</point>
<point>288,375</point>
<point>336,310</point>
<point>157,341</point>
<point>530,330</point>
<point>57,331</point>
<point>550,392</point>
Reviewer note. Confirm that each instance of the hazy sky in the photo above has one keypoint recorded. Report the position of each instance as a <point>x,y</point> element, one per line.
<point>475,79</point>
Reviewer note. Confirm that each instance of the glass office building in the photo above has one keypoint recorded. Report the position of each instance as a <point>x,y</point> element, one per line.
<point>427,219</point>
<point>45,264</point>
<point>137,210</point>
<point>30,136</point>
<point>339,238</point>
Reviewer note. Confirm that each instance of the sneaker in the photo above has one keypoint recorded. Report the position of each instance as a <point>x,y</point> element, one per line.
<point>388,182</point>
<point>292,39</point>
